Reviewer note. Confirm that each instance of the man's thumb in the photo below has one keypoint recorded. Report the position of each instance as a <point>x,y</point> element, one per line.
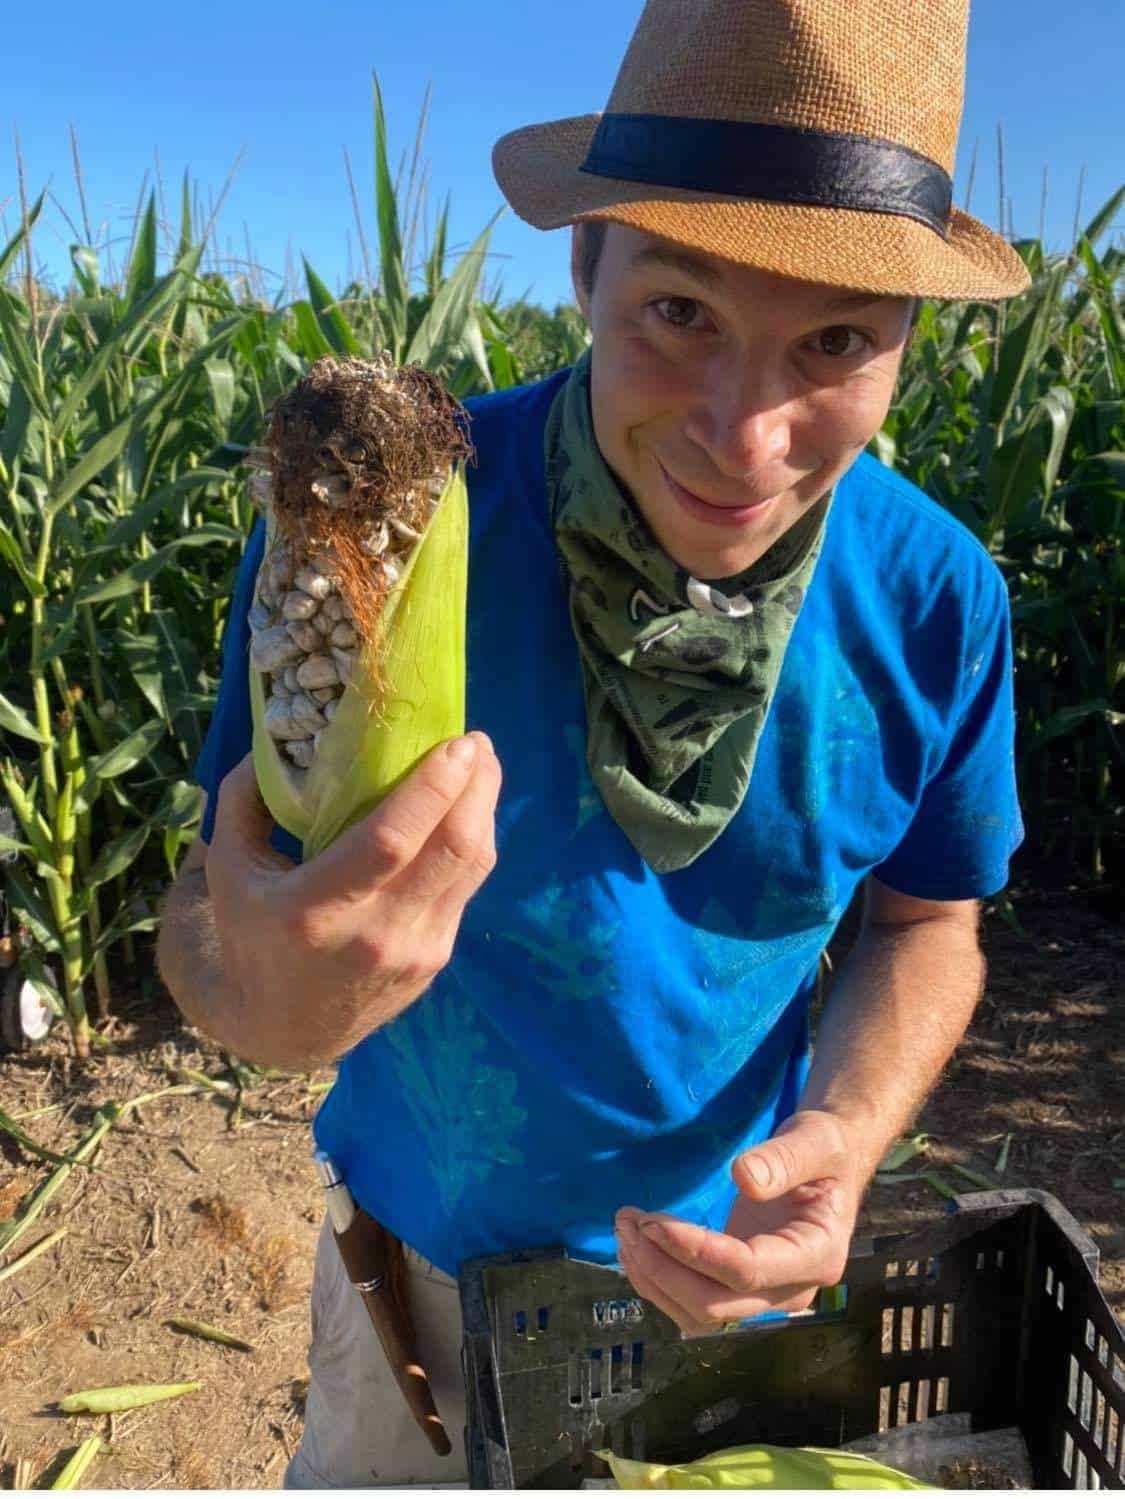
<point>243,823</point>
<point>798,1153</point>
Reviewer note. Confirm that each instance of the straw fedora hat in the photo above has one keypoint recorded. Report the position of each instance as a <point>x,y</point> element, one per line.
<point>811,138</point>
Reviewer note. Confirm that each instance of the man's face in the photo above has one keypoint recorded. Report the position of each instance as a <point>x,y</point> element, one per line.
<point>728,400</point>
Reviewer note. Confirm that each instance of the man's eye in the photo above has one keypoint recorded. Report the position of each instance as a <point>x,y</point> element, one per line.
<point>681,312</point>
<point>838,342</point>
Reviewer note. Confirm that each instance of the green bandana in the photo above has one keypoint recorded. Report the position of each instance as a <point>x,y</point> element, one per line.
<point>678,674</point>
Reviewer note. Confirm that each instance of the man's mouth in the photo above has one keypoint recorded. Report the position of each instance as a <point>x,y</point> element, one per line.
<point>712,513</point>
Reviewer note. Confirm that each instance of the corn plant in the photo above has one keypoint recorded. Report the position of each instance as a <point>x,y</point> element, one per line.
<point>1013,417</point>
<point>125,414</point>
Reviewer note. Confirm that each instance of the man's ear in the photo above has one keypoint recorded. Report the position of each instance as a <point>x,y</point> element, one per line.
<point>581,290</point>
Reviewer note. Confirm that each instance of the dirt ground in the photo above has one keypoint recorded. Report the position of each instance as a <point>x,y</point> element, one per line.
<point>203,1205</point>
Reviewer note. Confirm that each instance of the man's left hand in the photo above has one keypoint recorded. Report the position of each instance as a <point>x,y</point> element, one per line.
<point>787,1234</point>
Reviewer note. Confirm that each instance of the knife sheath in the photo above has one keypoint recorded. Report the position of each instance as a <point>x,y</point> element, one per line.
<point>376,1266</point>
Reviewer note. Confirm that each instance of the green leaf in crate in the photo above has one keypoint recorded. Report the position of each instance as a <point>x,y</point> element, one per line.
<point>904,1150</point>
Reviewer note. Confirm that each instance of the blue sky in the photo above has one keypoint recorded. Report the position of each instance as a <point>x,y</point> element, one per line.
<point>288,86</point>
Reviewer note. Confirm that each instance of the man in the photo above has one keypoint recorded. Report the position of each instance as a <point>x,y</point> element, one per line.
<point>731,670</point>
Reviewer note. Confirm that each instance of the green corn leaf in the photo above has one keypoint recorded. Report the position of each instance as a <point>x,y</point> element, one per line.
<point>1022,348</point>
<point>1105,216</point>
<point>15,721</point>
<point>130,752</point>
<point>10,552</point>
<point>1058,406</point>
<point>977,1178</point>
<point>127,334</point>
<point>310,339</point>
<point>904,1150</point>
<point>142,266</point>
<point>220,377</point>
<point>333,323</point>
<point>435,266</point>
<point>20,355</point>
<point>130,578</point>
<point>443,330</point>
<point>9,1126</point>
<point>12,248</point>
<point>78,1466</point>
<point>124,532</point>
<point>17,428</point>
<point>86,269</point>
<point>940,1185</point>
<point>186,227</point>
<point>116,857</point>
<point>393,274</point>
<point>31,907</point>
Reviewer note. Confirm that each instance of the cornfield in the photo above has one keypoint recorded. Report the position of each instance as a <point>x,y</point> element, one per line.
<point>127,409</point>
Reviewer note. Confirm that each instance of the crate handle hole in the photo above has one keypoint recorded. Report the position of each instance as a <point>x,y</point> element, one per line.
<point>542,1316</point>
<point>638,1365</point>
<point>521,1324</point>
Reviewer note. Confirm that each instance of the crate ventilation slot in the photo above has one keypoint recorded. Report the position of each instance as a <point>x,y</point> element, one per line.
<point>605,1371</point>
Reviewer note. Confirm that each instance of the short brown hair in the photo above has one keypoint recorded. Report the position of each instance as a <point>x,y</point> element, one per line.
<point>590,250</point>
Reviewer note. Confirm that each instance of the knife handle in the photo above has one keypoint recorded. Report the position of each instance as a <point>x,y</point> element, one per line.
<point>376,1266</point>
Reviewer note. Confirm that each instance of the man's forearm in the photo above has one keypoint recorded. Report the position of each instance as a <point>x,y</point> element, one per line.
<point>897,1010</point>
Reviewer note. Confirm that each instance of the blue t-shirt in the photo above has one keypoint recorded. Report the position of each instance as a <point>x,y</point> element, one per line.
<point>605,1035</point>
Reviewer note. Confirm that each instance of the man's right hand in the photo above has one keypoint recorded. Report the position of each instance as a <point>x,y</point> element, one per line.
<point>318,955</point>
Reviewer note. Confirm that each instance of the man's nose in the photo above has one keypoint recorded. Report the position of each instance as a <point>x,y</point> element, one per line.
<point>744,424</point>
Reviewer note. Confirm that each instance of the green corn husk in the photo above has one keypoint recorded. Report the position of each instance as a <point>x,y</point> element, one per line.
<point>762,1468</point>
<point>75,1470</point>
<point>380,733</point>
<point>124,1397</point>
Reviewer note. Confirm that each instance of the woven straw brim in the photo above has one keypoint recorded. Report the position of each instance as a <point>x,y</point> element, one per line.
<point>537,169</point>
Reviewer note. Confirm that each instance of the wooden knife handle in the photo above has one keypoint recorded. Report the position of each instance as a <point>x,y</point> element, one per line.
<point>376,1266</point>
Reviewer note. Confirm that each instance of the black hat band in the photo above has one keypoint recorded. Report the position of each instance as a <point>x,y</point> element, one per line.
<point>779,163</point>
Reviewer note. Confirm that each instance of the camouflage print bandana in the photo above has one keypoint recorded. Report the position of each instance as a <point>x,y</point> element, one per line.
<point>678,674</point>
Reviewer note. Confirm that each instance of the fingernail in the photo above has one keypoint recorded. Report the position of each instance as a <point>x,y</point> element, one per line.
<point>461,750</point>
<point>627,1232</point>
<point>757,1170</point>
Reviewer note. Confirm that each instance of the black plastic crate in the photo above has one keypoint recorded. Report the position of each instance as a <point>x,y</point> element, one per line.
<point>994,1310</point>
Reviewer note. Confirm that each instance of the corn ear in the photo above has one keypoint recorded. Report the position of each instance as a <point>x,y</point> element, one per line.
<point>398,706</point>
<point>212,1334</point>
<point>125,1397</point>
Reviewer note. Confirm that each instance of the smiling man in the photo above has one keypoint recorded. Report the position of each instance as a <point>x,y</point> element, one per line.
<point>733,672</point>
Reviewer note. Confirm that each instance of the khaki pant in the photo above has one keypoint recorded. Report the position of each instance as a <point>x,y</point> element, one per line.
<point>358,1431</point>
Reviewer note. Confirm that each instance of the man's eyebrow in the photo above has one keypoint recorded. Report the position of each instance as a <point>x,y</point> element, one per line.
<point>679,260</point>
